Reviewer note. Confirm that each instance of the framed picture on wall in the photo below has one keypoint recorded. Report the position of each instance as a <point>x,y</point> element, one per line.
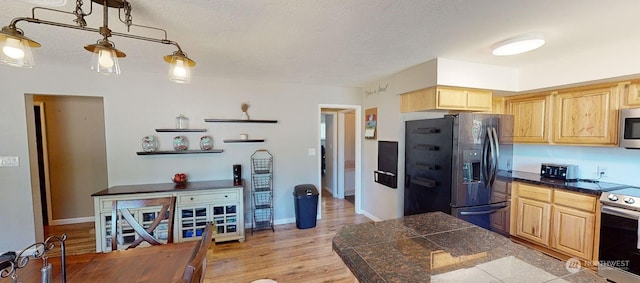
<point>371,123</point>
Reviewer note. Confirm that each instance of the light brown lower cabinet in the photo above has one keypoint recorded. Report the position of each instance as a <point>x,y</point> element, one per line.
<point>533,220</point>
<point>573,232</point>
<point>556,221</point>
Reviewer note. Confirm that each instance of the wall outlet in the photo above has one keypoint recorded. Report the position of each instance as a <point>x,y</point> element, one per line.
<point>602,171</point>
<point>9,161</point>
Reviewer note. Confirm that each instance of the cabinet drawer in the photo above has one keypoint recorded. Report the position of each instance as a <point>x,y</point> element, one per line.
<point>534,192</point>
<point>207,198</point>
<point>107,203</point>
<point>575,200</point>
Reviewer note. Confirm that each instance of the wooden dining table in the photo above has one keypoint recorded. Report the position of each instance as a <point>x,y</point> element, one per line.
<point>161,263</point>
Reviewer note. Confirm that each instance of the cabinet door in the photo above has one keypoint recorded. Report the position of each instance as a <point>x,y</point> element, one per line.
<point>573,232</point>
<point>586,117</point>
<point>500,220</point>
<point>419,100</point>
<point>225,217</point>
<point>498,105</point>
<point>632,97</point>
<point>451,98</point>
<point>531,118</point>
<point>479,100</point>
<point>191,222</point>
<point>533,220</point>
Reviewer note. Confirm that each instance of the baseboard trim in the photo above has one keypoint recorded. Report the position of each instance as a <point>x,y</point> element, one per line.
<point>370,216</point>
<point>72,220</point>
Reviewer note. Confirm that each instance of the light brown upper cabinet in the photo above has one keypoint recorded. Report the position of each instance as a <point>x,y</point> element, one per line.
<point>631,94</point>
<point>446,98</point>
<point>588,116</point>
<point>531,114</point>
<point>498,105</point>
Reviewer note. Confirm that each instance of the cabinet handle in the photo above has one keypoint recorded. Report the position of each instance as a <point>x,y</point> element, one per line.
<point>191,198</point>
<point>226,196</point>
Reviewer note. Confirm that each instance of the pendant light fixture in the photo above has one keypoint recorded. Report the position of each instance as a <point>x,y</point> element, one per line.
<point>15,48</point>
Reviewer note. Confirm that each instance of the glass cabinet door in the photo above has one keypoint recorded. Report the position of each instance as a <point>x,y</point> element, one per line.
<point>193,221</point>
<point>226,218</point>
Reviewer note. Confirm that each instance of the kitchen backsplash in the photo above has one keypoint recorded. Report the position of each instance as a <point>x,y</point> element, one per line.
<point>622,165</point>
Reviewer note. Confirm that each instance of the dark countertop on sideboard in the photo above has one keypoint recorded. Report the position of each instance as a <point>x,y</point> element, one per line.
<point>405,249</point>
<point>167,187</point>
<point>581,186</point>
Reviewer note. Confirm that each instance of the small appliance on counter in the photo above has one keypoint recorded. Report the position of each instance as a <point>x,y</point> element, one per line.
<point>563,172</point>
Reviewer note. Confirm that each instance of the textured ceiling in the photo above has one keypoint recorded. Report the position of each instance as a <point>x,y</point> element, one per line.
<point>334,42</point>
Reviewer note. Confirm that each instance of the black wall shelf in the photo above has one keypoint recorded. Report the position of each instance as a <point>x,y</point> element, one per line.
<point>178,152</point>
<point>239,121</point>
<point>179,130</point>
<point>241,141</point>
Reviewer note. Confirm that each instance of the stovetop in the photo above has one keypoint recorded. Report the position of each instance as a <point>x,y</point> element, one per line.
<point>627,197</point>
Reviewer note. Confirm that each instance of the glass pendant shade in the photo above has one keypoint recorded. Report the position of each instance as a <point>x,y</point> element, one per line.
<point>15,49</point>
<point>105,58</point>
<point>179,67</point>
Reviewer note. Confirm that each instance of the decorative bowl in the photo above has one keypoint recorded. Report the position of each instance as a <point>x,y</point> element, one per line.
<point>179,178</point>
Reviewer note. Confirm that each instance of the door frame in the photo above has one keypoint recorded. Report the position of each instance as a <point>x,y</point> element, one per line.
<point>358,150</point>
<point>45,158</point>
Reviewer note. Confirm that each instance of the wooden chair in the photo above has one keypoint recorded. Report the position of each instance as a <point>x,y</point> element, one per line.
<point>166,212</point>
<point>194,271</point>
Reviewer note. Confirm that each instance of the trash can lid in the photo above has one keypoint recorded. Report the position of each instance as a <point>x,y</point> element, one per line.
<point>305,190</point>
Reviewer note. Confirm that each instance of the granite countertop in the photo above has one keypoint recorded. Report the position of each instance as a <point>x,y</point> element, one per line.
<point>167,187</point>
<point>581,186</point>
<point>437,247</point>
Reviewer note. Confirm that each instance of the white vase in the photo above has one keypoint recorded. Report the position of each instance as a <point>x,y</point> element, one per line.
<point>245,116</point>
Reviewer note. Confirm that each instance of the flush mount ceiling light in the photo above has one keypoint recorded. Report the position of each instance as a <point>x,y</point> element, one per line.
<point>16,47</point>
<point>518,45</point>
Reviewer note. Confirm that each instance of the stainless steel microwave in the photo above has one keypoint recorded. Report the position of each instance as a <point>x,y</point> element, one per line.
<point>630,128</point>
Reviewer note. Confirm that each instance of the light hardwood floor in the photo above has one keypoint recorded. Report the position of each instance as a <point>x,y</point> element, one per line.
<point>286,255</point>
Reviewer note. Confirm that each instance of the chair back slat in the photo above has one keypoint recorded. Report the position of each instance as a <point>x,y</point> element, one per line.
<point>194,271</point>
<point>166,211</point>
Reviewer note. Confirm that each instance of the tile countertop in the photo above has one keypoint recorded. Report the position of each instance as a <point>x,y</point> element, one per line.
<point>437,247</point>
<point>581,186</point>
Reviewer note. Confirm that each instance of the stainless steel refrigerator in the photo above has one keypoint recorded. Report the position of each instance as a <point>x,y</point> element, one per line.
<point>451,165</point>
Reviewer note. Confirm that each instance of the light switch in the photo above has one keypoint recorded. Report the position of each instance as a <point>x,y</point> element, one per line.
<point>311,151</point>
<point>9,161</point>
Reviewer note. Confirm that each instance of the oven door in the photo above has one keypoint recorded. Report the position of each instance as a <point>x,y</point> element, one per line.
<point>619,257</point>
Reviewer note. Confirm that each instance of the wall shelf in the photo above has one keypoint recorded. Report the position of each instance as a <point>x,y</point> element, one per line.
<point>241,141</point>
<point>178,152</point>
<point>179,130</point>
<point>238,121</point>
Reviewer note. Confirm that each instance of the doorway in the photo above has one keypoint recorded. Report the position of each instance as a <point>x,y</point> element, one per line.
<point>340,147</point>
<point>68,147</point>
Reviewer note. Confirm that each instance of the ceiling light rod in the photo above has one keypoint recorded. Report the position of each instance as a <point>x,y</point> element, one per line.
<point>16,48</point>
<point>83,27</point>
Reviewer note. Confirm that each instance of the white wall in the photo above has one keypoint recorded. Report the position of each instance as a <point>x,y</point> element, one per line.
<point>137,103</point>
<point>622,164</point>
<point>380,202</point>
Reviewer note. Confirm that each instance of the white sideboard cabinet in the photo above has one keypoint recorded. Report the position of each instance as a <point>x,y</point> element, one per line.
<point>197,203</point>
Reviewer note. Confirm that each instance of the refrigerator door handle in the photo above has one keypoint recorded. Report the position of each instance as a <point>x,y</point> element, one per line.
<point>487,149</point>
<point>491,211</point>
<point>496,154</point>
